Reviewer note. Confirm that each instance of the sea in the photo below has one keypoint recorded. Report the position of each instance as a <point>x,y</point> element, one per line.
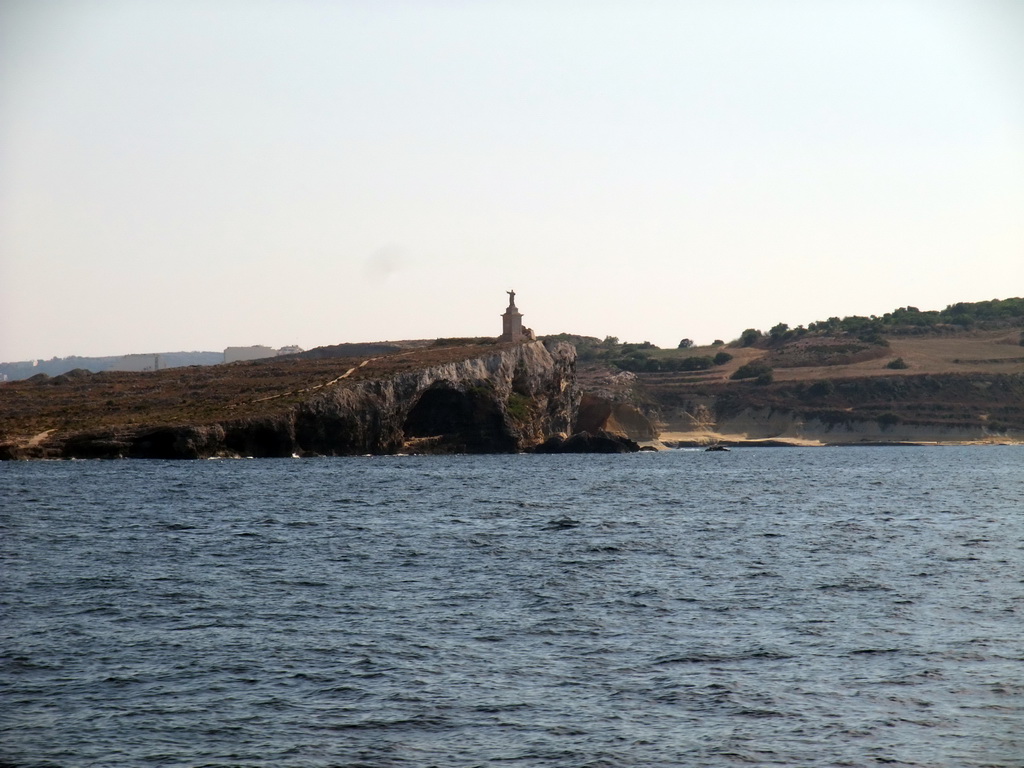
<point>758,607</point>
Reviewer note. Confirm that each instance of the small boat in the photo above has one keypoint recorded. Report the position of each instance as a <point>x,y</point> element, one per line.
<point>717,448</point>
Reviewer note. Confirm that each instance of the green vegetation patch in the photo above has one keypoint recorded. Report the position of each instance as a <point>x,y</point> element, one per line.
<point>997,313</point>
<point>519,407</point>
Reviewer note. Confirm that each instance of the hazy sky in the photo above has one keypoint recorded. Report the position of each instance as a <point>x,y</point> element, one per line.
<point>195,174</point>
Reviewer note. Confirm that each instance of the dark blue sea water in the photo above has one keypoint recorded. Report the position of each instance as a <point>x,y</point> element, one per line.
<point>794,607</point>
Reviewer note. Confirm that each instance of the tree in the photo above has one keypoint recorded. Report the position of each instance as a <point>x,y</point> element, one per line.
<point>685,343</point>
<point>750,337</point>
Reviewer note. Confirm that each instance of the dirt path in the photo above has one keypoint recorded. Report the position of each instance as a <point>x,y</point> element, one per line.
<point>315,387</point>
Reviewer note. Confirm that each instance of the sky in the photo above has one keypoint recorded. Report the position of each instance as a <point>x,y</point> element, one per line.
<point>199,174</point>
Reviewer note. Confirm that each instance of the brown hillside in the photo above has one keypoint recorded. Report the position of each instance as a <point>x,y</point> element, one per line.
<point>79,400</point>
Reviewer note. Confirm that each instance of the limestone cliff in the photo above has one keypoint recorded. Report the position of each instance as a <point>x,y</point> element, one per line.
<point>506,399</point>
<point>990,417</point>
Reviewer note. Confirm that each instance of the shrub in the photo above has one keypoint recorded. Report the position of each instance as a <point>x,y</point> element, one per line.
<point>764,379</point>
<point>696,363</point>
<point>897,364</point>
<point>722,358</point>
<point>636,360</point>
<point>752,370</point>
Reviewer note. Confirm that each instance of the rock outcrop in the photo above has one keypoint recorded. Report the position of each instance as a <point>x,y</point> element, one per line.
<point>586,442</point>
<point>598,414</point>
<point>506,400</point>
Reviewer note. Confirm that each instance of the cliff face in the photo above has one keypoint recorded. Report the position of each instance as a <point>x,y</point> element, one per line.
<point>505,400</point>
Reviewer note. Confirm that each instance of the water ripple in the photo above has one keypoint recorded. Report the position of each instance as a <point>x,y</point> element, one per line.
<point>804,607</point>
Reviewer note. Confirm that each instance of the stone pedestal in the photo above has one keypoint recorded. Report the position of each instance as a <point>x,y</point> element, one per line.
<point>512,321</point>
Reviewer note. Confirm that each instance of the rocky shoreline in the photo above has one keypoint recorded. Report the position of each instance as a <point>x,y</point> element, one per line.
<point>471,396</point>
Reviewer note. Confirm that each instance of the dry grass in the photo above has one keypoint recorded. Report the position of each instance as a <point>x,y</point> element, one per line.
<point>983,352</point>
<point>990,352</point>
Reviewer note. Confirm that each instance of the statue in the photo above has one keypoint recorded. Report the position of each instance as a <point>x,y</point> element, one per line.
<point>512,321</point>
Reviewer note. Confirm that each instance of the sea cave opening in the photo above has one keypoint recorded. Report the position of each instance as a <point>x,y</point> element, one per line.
<point>446,419</point>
